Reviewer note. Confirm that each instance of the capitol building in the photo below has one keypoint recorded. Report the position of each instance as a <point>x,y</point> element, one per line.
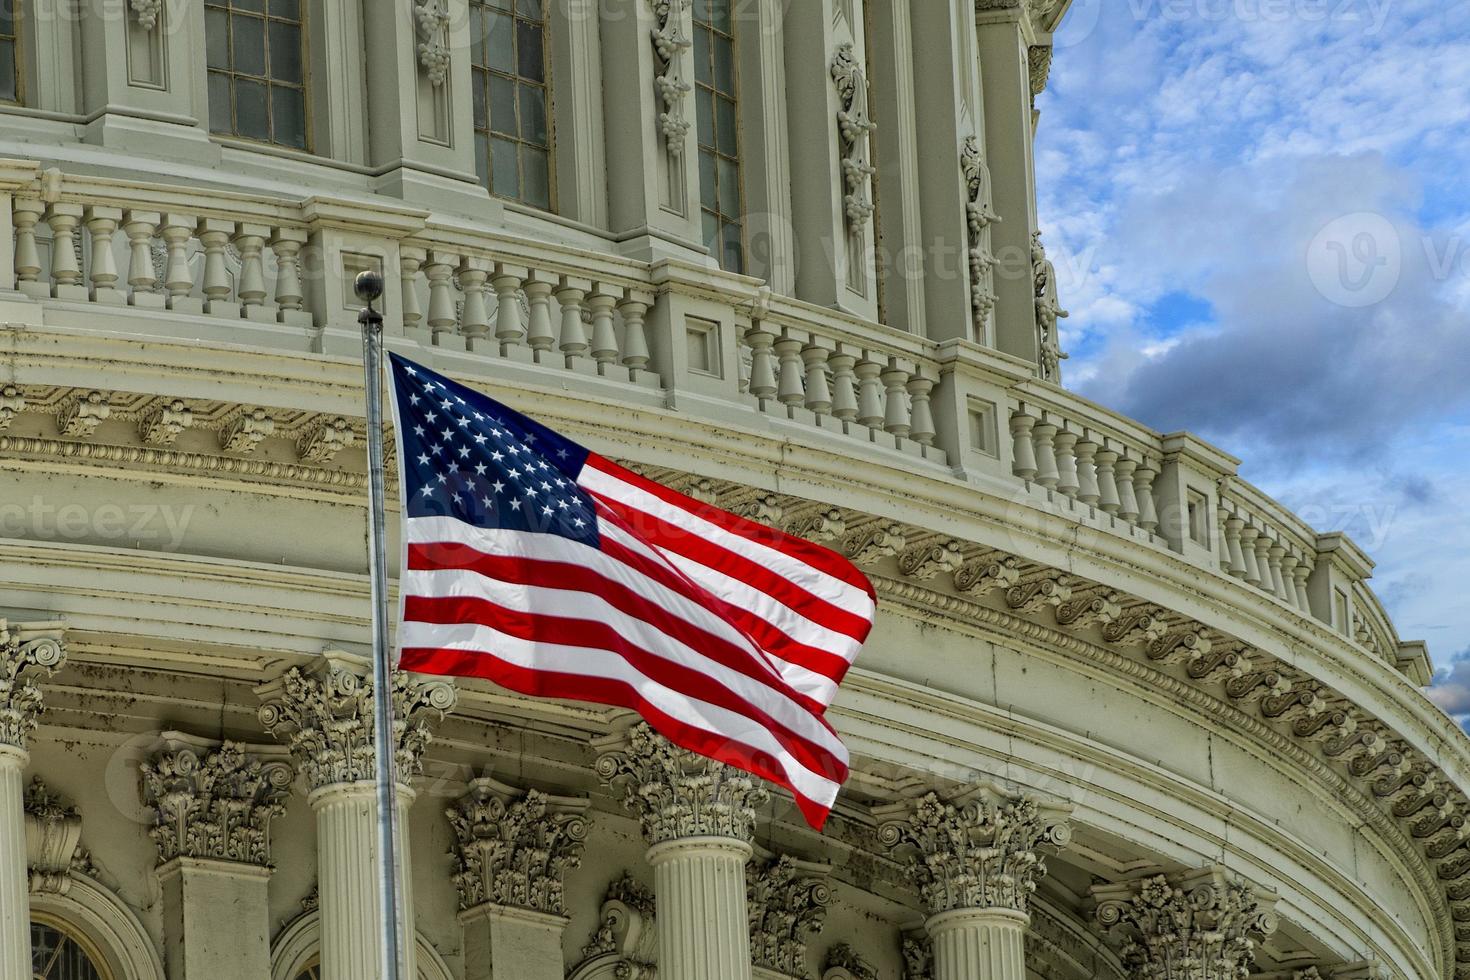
<point>1122,714</point>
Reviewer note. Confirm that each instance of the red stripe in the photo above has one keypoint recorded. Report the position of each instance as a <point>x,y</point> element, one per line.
<point>815,555</point>
<point>577,687</point>
<point>567,631</point>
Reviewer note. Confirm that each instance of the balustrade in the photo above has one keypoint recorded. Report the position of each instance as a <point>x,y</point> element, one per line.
<point>1266,551</point>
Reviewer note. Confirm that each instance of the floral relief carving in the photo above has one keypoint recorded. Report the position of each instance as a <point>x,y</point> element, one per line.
<point>669,43</point>
<point>627,929</point>
<point>431,27</point>
<point>53,834</point>
<point>147,12</point>
<point>979,216</point>
<point>787,907</point>
<point>214,803</point>
<point>24,660</point>
<point>515,850</point>
<point>12,403</point>
<point>853,129</point>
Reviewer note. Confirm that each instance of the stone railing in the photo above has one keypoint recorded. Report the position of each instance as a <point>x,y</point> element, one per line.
<point>666,333</point>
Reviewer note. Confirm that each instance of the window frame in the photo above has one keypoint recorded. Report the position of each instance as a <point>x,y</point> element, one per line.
<point>17,41</point>
<point>303,23</point>
<point>481,76</point>
<point>76,937</point>
<point>711,93</point>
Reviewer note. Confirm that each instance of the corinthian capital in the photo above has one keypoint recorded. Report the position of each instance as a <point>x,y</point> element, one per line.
<point>26,656</point>
<point>678,793</point>
<point>325,714</point>
<point>213,802</point>
<point>786,901</point>
<point>981,850</point>
<point>1202,925</point>
<point>514,848</point>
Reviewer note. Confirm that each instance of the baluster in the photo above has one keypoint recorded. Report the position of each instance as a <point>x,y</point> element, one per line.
<point>1107,481</point>
<point>214,234</point>
<point>1299,576</point>
<point>1248,536</point>
<point>818,387</point>
<point>573,341</point>
<point>287,244</point>
<point>1087,489</point>
<point>870,392</point>
<point>539,335</point>
<point>762,367</point>
<point>1234,557</point>
<point>1044,435</point>
<point>1067,482</point>
<point>507,285</point>
<point>102,223</point>
<point>602,302</point>
<point>1274,556</point>
<point>896,419</point>
<point>66,273</point>
<point>178,279</point>
<point>27,212</point>
<point>1023,445</point>
<point>1143,489</point>
<point>443,318</point>
<point>844,383</point>
<point>141,227</point>
<point>789,389</point>
<point>1127,499</point>
<point>250,288</point>
<point>474,320</point>
<point>1263,561</point>
<point>635,336</point>
<point>921,428</point>
<point>1289,562</point>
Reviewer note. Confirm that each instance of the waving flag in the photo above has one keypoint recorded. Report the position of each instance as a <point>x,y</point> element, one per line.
<point>553,572</point>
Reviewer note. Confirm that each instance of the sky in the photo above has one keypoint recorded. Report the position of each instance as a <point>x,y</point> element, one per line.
<point>1259,211</point>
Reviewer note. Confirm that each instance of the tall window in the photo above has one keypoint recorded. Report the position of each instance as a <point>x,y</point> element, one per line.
<point>257,86</point>
<point>9,51</point>
<point>719,133</point>
<point>56,956</point>
<point>512,128</point>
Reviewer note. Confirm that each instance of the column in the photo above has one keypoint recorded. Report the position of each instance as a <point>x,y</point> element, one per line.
<point>513,850</point>
<point>325,714</point>
<point>698,818</point>
<point>212,807</point>
<point>975,860</point>
<point>25,659</point>
<point>1201,925</point>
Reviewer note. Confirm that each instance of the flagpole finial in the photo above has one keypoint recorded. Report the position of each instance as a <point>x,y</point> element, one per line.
<point>368,285</point>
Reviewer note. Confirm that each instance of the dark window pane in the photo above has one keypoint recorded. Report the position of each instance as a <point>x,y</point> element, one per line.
<point>702,11</point>
<point>533,114</point>
<point>250,111</point>
<point>708,182</point>
<point>256,5</point>
<point>7,18</point>
<point>477,35</point>
<point>734,259</point>
<point>482,157</point>
<point>719,15</point>
<point>537,177</point>
<point>706,113</point>
<point>288,116</point>
<point>729,186</point>
<point>7,71</point>
<point>500,43</point>
<point>502,105</point>
<point>504,178</point>
<point>702,73</point>
<point>725,125</point>
<point>217,38</point>
<point>711,225</point>
<point>724,65</point>
<point>289,9</point>
<point>533,9</point>
<point>502,4</point>
<point>529,51</point>
<point>248,38</point>
<point>480,91</point>
<point>285,51</point>
<point>219,104</point>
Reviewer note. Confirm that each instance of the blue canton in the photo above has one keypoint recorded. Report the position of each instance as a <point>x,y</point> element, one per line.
<point>465,455</point>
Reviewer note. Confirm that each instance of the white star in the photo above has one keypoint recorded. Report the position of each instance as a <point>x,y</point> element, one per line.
<point>479,438</point>
<point>514,474</point>
<point>418,430</point>
<point>463,422</point>
<point>455,498</point>
<point>515,505</point>
<point>480,469</point>
<point>579,522</point>
<point>545,486</point>
<point>530,437</point>
<point>497,455</point>
<point>427,492</point>
<point>436,450</point>
<point>447,404</point>
<point>531,491</point>
<point>464,451</point>
<point>561,454</point>
<point>479,417</point>
<point>562,504</point>
<point>547,512</point>
<point>423,458</point>
<point>410,371</point>
<point>489,504</point>
<point>443,478</point>
<point>448,433</point>
<point>497,486</point>
<point>413,399</point>
<point>430,417</point>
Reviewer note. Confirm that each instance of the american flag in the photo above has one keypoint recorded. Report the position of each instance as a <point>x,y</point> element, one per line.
<point>551,571</point>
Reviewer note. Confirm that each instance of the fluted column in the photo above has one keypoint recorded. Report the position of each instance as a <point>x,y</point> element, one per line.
<point>24,659</point>
<point>325,715</point>
<point>1200,925</point>
<point>975,861</point>
<point>698,818</point>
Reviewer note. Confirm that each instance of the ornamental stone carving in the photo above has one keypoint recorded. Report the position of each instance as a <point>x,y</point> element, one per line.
<point>26,656</point>
<point>325,715</point>
<point>431,28</point>
<point>162,426</point>
<point>1048,312</point>
<point>324,441</point>
<point>12,403</point>
<point>53,833</point>
<point>627,930</point>
<point>918,957</point>
<point>843,963</point>
<point>514,849</point>
<point>979,851</point>
<point>677,793</point>
<point>669,43</point>
<point>1202,925</point>
<point>979,216</point>
<point>247,431</point>
<point>853,128</point>
<point>213,803</point>
<point>787,902</point>
<point>80,416</point>
<point>147,12</point>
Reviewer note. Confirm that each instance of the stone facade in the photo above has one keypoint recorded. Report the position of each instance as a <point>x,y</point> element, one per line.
<point>1121,714</point>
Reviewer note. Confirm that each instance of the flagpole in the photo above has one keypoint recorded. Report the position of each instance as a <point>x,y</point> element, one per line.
<point>369,287</point>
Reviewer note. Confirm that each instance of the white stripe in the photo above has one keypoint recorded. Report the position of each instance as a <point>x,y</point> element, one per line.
<point>595,662</point>
<point>812,579</point>
<point>541,601</point>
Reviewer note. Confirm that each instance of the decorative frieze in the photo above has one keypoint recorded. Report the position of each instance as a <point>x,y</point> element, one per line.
<point>1202,925</point>
<point>53,835</point>
<point>26,657</point>
<point>669,44</point>
<point>12,403</point>
<point>853,129</point>
<point>677,793</point>
<point>80,416</point>
<point>787,904</point>
<point>213,803</point>
<point>162,426</point>
<point>514,849</point>
<point>925,561</point>
<point>982,850</point>
<point>980,576</point>
<point>246,431</point>
<point>867,545</point>
<point>325,714</point>
<point>324,441</point>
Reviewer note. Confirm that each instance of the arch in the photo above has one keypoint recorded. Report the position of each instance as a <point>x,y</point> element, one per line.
<point>301,941</point>
<point>107,927</point>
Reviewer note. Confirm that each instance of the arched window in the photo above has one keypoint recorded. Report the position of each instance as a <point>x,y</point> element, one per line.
<point>312,971</point>
<point>9,52</point>
<point>512,99</point>
<point>58,955</point>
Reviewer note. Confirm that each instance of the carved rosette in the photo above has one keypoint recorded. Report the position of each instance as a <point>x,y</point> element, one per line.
<point>853,129</point>
<point>677,793</point>
<point>214,804</point>
<point>668,43</point>
<point>1201,926</point>
<point>980,853</point>
<point>787,907</point>
<point>515,850</point>
<point>24,660</point>
<point>325,715</point>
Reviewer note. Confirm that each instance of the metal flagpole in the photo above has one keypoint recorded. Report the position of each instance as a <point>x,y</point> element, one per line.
<point>369,287</point>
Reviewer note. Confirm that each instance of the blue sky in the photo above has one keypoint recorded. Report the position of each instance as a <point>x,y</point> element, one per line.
<point>1260,215</point>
